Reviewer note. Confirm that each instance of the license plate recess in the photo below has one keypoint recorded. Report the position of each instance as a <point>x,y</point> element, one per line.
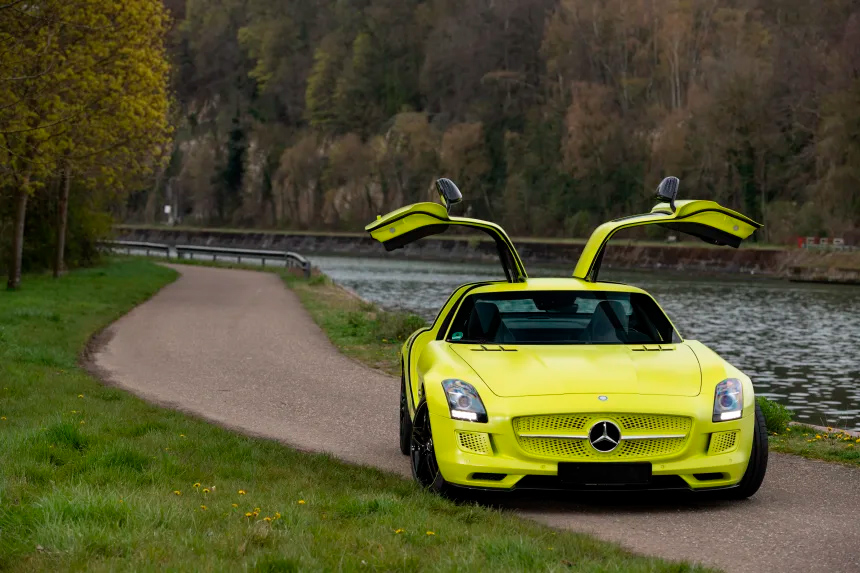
<point>605,473</point>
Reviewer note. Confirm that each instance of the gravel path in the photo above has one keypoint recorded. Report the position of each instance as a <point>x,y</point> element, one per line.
<point>238,348</point>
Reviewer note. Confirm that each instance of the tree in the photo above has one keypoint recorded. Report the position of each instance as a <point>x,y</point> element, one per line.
<point>87,82</point>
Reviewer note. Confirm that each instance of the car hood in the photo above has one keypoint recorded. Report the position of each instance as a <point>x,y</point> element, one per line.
<point>510,371</point>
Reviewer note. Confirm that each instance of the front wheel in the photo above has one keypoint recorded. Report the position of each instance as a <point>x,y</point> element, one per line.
<point>425,469</point>
<point>754,475</point>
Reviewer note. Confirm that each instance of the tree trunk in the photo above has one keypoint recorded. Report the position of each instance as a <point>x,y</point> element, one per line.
<point>62,219</point>
<point>14,281</point>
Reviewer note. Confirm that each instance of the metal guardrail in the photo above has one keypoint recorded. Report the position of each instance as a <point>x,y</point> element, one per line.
<point>129,246</point>
<point>289,259</point>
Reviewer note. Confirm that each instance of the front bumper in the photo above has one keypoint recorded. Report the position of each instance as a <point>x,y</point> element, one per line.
<point>506,465</point>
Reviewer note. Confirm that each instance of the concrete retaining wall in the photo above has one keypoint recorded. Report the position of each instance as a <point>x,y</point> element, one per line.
<point>621,254</point>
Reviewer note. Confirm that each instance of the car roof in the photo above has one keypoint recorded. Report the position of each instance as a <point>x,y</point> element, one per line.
<point>561,283</point>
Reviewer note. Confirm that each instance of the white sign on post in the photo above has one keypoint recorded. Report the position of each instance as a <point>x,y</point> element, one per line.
<point>167,209</point>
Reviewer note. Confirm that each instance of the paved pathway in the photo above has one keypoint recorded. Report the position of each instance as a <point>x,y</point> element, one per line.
<point>236,347</point>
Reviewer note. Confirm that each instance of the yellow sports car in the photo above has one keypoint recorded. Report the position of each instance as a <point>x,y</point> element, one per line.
<point>572,383</point>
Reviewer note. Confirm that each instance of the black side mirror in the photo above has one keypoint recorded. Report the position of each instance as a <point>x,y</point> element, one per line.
<point>668,191</point>
<point>448,192</point>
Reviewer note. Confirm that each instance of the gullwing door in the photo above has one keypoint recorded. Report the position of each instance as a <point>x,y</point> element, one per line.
<point>706,220</point>
<point>413,222</point>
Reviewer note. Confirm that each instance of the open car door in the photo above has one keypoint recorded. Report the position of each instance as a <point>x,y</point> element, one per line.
<point>420,220</point>
<point>706,220</point>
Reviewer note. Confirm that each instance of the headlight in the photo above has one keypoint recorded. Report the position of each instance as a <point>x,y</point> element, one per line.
<point>463,401</point>
<point>728,400</point>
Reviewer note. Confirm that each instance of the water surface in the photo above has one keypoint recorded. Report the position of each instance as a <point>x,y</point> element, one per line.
<point>800,343</point>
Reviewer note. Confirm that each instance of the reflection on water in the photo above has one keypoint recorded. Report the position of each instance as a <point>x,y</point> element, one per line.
<point>799,343</point>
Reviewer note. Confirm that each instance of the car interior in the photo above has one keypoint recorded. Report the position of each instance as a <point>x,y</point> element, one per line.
<point>569,318</point>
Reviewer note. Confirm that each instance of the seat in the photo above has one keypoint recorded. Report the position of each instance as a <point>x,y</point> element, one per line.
<point>608,323</point>
<point>484,322</point>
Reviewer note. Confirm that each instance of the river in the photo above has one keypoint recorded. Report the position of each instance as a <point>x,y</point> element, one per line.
<point>800,343</point>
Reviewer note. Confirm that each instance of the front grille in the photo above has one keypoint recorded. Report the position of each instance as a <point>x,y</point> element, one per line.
<point>572,429</point>
<point>723,442</point>
<point>474,442</point>
<point>629,423</point>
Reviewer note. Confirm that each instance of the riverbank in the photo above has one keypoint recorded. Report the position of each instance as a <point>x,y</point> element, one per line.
<point>795,264</point>
<point>96,479</point>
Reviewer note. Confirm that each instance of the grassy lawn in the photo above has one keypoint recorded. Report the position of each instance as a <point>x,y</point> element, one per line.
<point>95,479</point>
<point>833,446</point>
<point>360,330</point>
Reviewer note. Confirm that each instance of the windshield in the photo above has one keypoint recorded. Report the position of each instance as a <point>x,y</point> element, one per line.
<point>561,317</point>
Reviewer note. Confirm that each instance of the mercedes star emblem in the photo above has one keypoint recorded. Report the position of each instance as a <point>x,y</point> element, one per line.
<point>604,436</point>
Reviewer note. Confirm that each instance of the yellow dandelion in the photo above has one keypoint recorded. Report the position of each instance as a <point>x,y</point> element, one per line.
<point>181,435</point>
<point>121,501</point>
<point>74,411</point>
<point>196,484</point>
<point>203,507</point>
<point>242,492</point>
<point>858,439</point>
<point>301,502</point>
<point>255,513</point>
<point>398,531</point>
<point>267,519</point>
<point>80,395</point>
<point>2,417</point>
<point>205,490</point>
<point>277,515</point>
<point>257,509</point>
<point>177,492</point>
<point>235,505</point>
<point>82,422</point>
<point>430,533</point>
<point>817,436</point>
<point>248,514</point>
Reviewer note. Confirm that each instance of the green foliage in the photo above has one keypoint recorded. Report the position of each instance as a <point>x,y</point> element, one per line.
<point>88,475</point>
<point>776,415</point>
<point>84,87</point>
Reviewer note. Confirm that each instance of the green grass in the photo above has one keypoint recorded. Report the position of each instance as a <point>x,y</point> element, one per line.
<point>360,330</point>
<point>92,478</point>
<point>832,445</point>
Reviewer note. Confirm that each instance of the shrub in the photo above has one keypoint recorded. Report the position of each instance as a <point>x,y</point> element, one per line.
<point>776,415</point>
<point>395,325</point>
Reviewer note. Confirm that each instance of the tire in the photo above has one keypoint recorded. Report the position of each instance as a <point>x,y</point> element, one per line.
<point>754,475</point>
<point>405,420</point>
<point>425,469</point>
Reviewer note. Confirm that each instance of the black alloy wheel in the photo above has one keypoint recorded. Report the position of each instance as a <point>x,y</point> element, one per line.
<point>405,420</point>
<point>425,469</point>
<point>754,474</point>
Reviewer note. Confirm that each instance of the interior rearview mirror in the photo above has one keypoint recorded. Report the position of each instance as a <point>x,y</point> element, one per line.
<point>448,192</point>
<point>668,191</point>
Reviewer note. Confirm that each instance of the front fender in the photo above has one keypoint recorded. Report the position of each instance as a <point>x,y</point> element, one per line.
<point>715,369</point>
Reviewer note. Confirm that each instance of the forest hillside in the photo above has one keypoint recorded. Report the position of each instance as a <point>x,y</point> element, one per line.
<point>551,115</point>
